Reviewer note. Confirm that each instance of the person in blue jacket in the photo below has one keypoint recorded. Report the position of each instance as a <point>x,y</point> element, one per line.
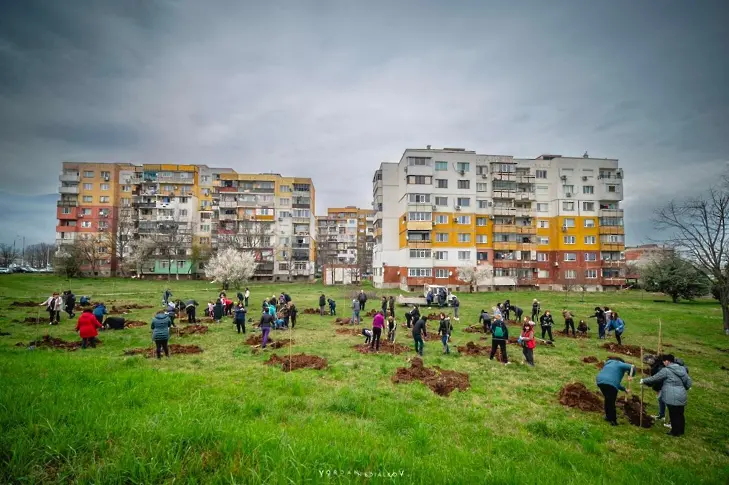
<point>608,380</point>
<point>166,296</point>
<point>99,312</point>
<point>616,323</point>
<point>240,317</point>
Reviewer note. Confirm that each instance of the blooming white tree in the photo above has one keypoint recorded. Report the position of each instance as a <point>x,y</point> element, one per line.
<point>473,275</point>
<point>231,267</point>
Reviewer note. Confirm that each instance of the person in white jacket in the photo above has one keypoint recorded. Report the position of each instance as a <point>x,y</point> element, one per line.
<point>53,306</point>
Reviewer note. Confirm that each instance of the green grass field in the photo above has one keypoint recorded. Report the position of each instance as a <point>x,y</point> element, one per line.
<point>224,417</point>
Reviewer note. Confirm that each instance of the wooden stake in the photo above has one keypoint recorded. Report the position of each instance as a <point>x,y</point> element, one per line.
<point>660,337</point>
<point>642,373</point>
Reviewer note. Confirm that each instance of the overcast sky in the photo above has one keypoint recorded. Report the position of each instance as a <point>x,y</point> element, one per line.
<point>332,89</point>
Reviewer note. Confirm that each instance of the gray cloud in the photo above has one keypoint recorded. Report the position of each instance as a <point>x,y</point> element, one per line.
<point>331,89</point>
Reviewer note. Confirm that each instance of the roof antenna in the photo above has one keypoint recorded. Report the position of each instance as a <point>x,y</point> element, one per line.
<point>585,155</point>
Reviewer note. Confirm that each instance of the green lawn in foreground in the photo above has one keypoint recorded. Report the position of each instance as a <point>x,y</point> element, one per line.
<point>224,417</point>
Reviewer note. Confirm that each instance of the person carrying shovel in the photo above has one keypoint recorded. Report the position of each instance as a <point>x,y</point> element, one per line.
<point>608,380</point>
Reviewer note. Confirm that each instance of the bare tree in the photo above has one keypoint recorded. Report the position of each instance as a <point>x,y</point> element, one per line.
<point>198,254</point>
<point>699,228</point>
<point>142,252</point>
<point>121,240</point>
<point>68,260</point>
<point>473,275</point>
<point>8,253</point>
<point>173,239</point>
<point>93,250</point>
<point>39,255</point>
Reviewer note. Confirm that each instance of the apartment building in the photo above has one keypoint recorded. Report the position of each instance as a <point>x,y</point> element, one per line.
<point>187,211</point>
<point>271,215</point>
<point>345,236</point>
<point>552,222</point>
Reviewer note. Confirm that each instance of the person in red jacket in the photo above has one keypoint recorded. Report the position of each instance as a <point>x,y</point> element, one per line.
<point>527,341</point>
<point>87,328</point>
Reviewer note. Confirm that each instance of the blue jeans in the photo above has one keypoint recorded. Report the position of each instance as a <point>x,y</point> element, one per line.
<point>355,316</point>
<point>444,341</point>
<point>455,312</point>
<point>661,408</point>
<point>418,344</point>
<point>601,330</point>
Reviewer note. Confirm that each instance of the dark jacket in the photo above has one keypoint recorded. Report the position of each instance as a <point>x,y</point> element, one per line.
<point>414,314</point>
<point>240,314</point>
<point>191,303</point>
<point>362,297</point>
<point>287,298</point>
<point>535,307</point>
<point>240,296</point>
<point>546,320</point>
<point>445,327</point>
<point>600,316</point>
<point>419,328</point>
<point>484,318</point>
<point>70,301</point>
<point>266,320</point>
<point>332,303</point>
<point>322,301</point>
<point>218,311</point>
<point>391,303</point>
<point>455,302</point>
<point>504,327</point>
<point>161,324</point>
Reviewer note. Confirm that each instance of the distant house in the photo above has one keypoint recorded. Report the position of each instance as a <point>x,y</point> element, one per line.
<point>637,257</point>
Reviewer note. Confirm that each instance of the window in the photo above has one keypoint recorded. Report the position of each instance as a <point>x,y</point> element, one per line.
<point>481,239</point>
<point>285,188</point>
<point>482,256</point>
<point>543,273</point>
<point>464,237</point>
<point>420,272</point>
<point>183,212</point>
<point>463,201</point>
<point>86,224</point>
<point>420,179</point>
<point>88,186</point>
<point>441,237</point>
<point>104,186</point>
<point>463,219</point>
<point>481,187</point>
<point>441,201</point>
<point>570,256</point>
<point>441,219</point>
<point>441,273</point>
<point>128,188</point>
<point>103,225</point>
<point>541,174</point>
<point>570,274</point>
<point>542,257</point>
<point>104,199</point>
<point>284,202</point>
<point>419,198</point>
<point>204,227</point>
<point>588,189</point>
<point>590,239</point>
<point>569,189</point>
<point>419,161</point>
<point>464,255</point>
<point>590,256</point>
<point>86,212</point>
<point>441,183</point>
<point>463,167</point>
<point>441,255</point>
<point>66,210</point>
<point>568,222</point>
<point>420,253</point>
<point>569,239</point>
<point>541,240</point>
<point>88,198</point>
<point>612,188</point>
<point>88,174</point>
<point>441,166</point>
<point>589,222</point>
<point>105,175</point>
<point>590,274</point>
<point>481,221</point>
<point>418,216</point>
<point>483,204</point>
<point>464,184</point>
<point>542,189</point>
<point>588,206</point>
<point>543,224</point>
<point>568,205</point>
<point>543,207</point>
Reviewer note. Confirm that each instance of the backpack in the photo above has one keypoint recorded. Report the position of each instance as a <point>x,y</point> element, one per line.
<point>498,331</point>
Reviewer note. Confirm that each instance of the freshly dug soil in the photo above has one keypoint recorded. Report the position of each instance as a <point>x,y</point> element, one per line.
<point>441,382</point>
<point>298,361</point>
<point>174,349</point>
<point>257,339</point>
<point>433,316</point>
<point>281,343</point>
<point>24,304</point>
<point>576,395</point>
<point>632,350</point>
<point>310,311</point>
<point>474,329</point>
<point>371,313</point>
<point>128,306</point>
<point>343,321</point>
<point>590,360</point>
<point>192,329</point>
<point>135,324</point>
<point>55,343</point>
<point>474,349</point>
<point>349,331</point>
<point>631,408</point>
<point>579,335</point>
<point>385,348</point>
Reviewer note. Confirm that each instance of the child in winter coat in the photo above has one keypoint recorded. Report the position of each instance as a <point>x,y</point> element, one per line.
<point>527,341</point>
<point>87,328</point>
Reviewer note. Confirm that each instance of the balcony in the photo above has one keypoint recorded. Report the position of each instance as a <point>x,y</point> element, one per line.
<point>523,213</point>
<point>69,177</point>
<point>506,176</point>
<point>504,211</point>
<point>503,194</point>
<point>612,246</point>
<point>175,179</point>
<point>525,229</point>
<point>227,217</point>
<point>506,263</point>
<point>67,203</point>
<point>610,213</point>
<point>72,214</point>
<point>505,229</point>
<point>504,246</point>
<point>612,264</point>
<point>68,189</point>
<point>228,204</point>
<point>420,244</point>
<point>301,220</point>
<point>612,281</point>
<point>144,205</point>
<point>526,196</point>
<point>611,230</point>
<point>419,225</point>
<point>526,246</point>
<point>67,228</point>
<point>613,196</point>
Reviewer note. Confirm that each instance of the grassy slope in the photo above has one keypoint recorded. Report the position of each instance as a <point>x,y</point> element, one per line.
<point>223,416</point>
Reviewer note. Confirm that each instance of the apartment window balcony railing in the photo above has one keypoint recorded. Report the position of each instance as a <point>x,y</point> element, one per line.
<point>68,189</point>
<point>67,203</point>
<point>228,204</point>
<point>69,177</point>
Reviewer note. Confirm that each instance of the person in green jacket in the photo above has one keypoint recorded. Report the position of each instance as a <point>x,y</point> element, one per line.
<point>675,382</point>
<point>161,324</point>
<point>608,380</point>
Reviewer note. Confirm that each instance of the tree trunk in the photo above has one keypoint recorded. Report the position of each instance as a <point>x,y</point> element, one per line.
<point>674,298</point>
<point>724,300</point>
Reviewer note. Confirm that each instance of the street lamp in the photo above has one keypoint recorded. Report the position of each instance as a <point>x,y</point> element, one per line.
<point>22,261</point>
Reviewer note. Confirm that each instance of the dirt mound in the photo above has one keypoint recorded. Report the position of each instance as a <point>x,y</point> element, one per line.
<point>257,339</point>
<point>433,316</point>
<point>385,348</point>
<point>135,324</point>
<point>281,343</point>
<point>343,321</point>
<point>631,408</point>
<point>54,343</point>
<point>371,313</point>
<point>174,349</point>
<point>192,329</point>
<point>632,350</point>
<point>590,360</point>
<point>127,307</point>
<point>579,335</point>
<point>310,311</point>
<point>298,361</point>
<point>576,395</point>
<point>474,329</point>
<point>349,331</point>
<point>473,349</point>
<point>28,304</point>
<point>441,382</point>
